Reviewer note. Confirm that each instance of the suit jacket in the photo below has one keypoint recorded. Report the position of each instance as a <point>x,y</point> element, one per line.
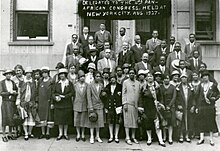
<point>111,101</point>
<point>102,64</point>
<point>158,53</point>
<point>68,92</point>
<point>71,60</point>
<point>6,96</point>
<point>80,101</point>
<point>189,52</point>
<point>181,101</point>
<point>120,42</point>
<point>158,69</point>
<point>70,50</point>
<point>150,45</point>
<point>169,48</point>
<point>192,65</point>
<point>102,55</point>
<point>127,58</point>
<point>188,73</point>
<point>171,57</point>
<point>101,38</point>
<point>93,96</point>
<point>140,65</point>
<point>83,41</point>
<point>138,52</point>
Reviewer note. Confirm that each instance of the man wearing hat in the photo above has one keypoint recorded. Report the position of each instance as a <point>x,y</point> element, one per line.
<point>158,77</point>
<point>8,91</point>
<point>186,103</point>
<point>89,76</point>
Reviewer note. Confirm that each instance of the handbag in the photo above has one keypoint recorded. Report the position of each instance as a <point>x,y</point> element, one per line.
<point>179,115</point>
<point>93,116</point>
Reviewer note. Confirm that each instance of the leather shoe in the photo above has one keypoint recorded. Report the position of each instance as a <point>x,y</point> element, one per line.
<point>47,137</point>
<point>4,139</point>
<point>66,137</point>
<point>170,142</point>
<point>128,141</point>
<point>11,137</point>
<point>188,140</point>
<point>92,140</point>
<point>59,138</point>
<point>149,143</point>
<point>26,137</point>
<point>110,140</point>
<point>181,140</point>
<point>200,142</point>
<point>212,143</point>
<point>162,144</point>
<point>77,139</point>
<point>134,140</point>
<point>41,136</point>
<point>83,139</point>
<point>98,139</point>
<point>116,140</point>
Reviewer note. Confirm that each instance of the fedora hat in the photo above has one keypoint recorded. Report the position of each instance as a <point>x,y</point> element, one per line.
<point>7,71</point>
<point>63,70</point>
<point>92,66</point>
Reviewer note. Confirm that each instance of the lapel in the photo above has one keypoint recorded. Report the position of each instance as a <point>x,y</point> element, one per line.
<point>78,89</point>
<point>4,86</point>
<point>182,93</point>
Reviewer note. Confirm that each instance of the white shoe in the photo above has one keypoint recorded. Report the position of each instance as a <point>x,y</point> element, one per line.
<point>92,140</point>
<point>98,139</point>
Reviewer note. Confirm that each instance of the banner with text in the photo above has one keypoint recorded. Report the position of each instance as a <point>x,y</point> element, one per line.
<point>123,9</point>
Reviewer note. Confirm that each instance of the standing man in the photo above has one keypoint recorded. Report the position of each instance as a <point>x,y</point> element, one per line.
<point>195,62</point>
<point>138,49</point>
<point>130,96</point>
<point>74,44</point>
<point>170,47</point>
<point>152,43</point>
<point>83,39</point>
<point>161,50</point>
<point>122,38</point>
<point>101,36</point>
<point>192,46</point>
<point>106,62</point>
<point>125,56</point>
<point>161,67</point>
<point>89,46</point>
<point>143,65</point>
<point>175,56</point>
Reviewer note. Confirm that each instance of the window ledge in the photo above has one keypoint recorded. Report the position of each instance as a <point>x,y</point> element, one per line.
<point>208,42</point>
<point>30,43</point>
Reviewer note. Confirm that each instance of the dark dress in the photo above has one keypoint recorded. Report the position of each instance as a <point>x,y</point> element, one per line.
<point>207,112</point>
<point>147,102</point>
<point>64,108</point>
<point>8,107</point>
<point>169,98</point>
<point>111,102</point>
<point>44,99</point>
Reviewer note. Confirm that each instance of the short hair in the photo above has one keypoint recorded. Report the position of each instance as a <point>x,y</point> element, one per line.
<point>18,66</point>
<point>97,72</point>
<point>131,70</point>
<point>177,42</point>
<point>123,28</point>
<point>204,64</point>
<point>154,30</point>
<point>74,35</point>
<point>192,35</point>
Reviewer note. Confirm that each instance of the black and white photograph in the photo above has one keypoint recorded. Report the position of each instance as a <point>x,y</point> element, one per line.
<point>113,75</point>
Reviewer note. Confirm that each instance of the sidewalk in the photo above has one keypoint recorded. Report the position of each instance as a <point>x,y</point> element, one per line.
<point>72,145</point>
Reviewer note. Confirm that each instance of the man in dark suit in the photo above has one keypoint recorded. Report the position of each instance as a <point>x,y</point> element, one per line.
<point>143,65</point>
<point>125,56</point>
<point>91,45</point>
<point>102,53</point>
<point>74,44</point>
<point>92,58</point>
<point>170,47</point>
<point>153,42</point>
<point>176,55</point>
<point>161,67</point>
<point>192,46</point>
<point>183,70</point>
<point>101,36</point>
<point>138,49</point>
<point>83,39</point>
<point>161,50</point>
<point>195,62</point>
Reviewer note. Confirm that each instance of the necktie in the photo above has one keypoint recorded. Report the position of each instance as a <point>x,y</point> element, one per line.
<point>196,63</point>
<point>177,55</point>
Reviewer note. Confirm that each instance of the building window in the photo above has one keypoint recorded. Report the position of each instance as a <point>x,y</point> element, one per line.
<point>31,20</point>
<point>205,19</point>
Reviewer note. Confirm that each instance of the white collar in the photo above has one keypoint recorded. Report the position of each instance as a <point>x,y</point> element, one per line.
<point>26,80</point>
<point>66,82</point>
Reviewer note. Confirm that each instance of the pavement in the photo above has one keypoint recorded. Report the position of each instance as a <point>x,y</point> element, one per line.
<point>71,145</point>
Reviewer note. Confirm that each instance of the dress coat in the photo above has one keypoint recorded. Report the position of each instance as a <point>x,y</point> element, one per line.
<point>187,104</point>
<point>63,108</point>
<point>8,106</point>
<point>100,38</point>
<point>126,58</point>
<point>95,103</point>
<point>189,51</point>
<point>158,53</point>
<point>138,52</point>
<point>147,102</point>
<point>112,101</point>
<point>207,111</point>
<point>151,45</point>
<point>140,66</point>
<point>158,69</point>
<point>102,64</point>
<point>73,60</point>
<point>192,66</point>
<point>70,48</point>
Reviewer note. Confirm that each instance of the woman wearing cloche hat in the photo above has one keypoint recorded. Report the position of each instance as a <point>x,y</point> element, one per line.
<point>62,100</point>
<point>80,106</point>
<point>8,91</point>
<point>44,92</point>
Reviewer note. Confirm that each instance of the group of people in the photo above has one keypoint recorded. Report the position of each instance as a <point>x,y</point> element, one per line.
<point>155,87</point>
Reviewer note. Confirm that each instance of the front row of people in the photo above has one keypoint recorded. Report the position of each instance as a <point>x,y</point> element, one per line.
<point>143,103</point>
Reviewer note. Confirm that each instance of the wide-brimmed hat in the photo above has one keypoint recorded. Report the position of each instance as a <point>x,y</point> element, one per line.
<point>7,72</point>
<point>106,70</point>
<point>142,72</point>
<point>28,70</point>
<point>59,65</point>
<point>126,65</point>
<point>91,66</point>
<point>63,70</point>
<point>81,73</point>
<point>175,72</point>
<point>158,73</point>
<point>45,69</point>
<point>184,75</point>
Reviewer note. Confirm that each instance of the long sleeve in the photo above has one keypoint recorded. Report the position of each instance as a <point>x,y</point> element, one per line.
<point>89,98</point>
<point>173,98</point>
<point>124,93</point>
